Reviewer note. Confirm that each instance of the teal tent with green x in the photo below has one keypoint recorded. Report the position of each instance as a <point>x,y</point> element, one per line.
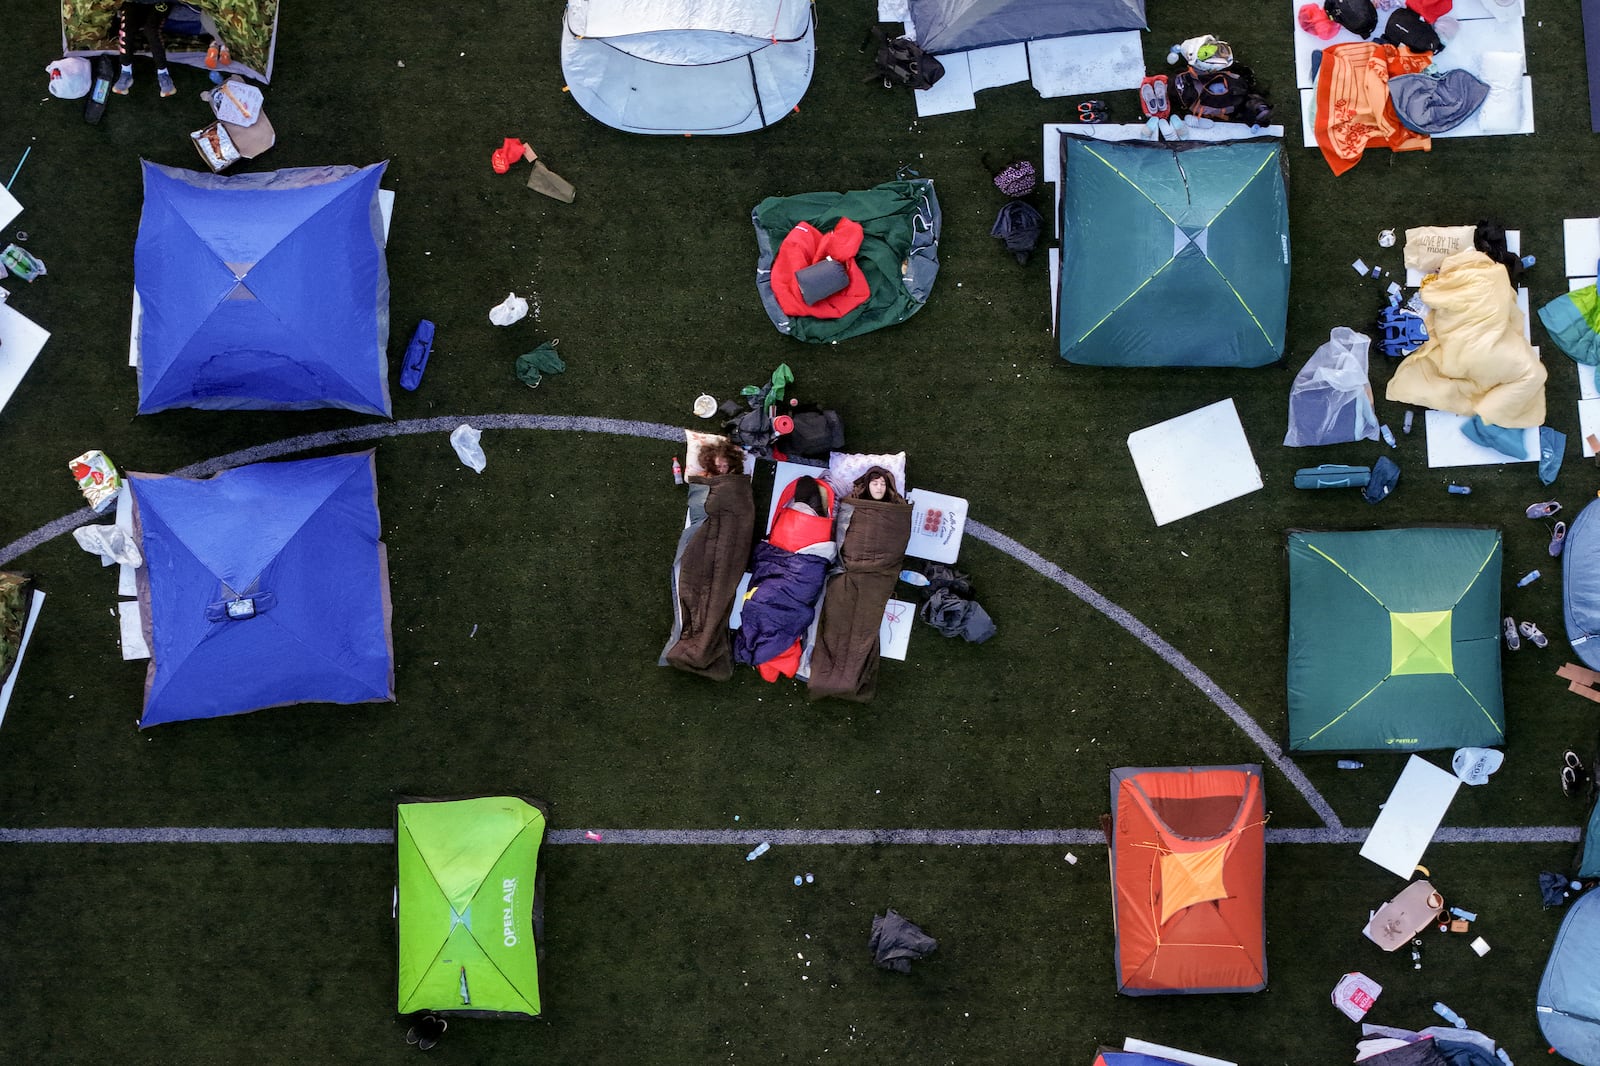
<point>1394,640</point>
<point>470,906</point>
<point>1173,253</point>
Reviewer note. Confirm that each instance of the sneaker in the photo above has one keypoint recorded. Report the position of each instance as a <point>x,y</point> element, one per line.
<point>1533,633</point>
<point>124,82</point>
<point>1153,97</point>
<point>1543,510</point>
<point>1513,641</point>
<point>211,55</point>
<point>1165,126</point>
<point>224,56</point>
<point>1558,538</point>
<point>1573,775</point>
<point>1180,129</point>
<point>412,1036</point>
<point>164,80</point>
<point>1149,131</point>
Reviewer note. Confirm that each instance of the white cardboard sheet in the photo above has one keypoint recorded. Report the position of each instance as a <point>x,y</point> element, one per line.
<point>1188,1058</point>
<point>1089,63</point>
<point>1448,446</point>
<point>1410,817</point>
<point>131,620</point>
<point>1193,462</point>
<point>21,340</point>
<point>9,207</point>
<point>1580,239</point>
<point>36,605</point>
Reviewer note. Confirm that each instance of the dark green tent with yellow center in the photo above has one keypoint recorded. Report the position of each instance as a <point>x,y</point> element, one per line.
<point>470,906</point>
<point>1394,640</point>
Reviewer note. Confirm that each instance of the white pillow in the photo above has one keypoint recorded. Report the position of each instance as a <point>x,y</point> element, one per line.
<point>694,442</point>
<point>1502,108</point>
<point>845,467</point>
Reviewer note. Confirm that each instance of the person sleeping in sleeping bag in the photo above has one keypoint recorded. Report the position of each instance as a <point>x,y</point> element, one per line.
<point>786,576</point>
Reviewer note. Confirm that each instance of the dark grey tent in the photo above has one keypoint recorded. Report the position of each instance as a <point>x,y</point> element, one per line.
<point>960,25</point>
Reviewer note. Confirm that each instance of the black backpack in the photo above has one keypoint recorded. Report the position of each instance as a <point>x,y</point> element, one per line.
<point>1406,27</point>
<point>1360,17</point>
<point>1218,95</point>
<point>901,61</point>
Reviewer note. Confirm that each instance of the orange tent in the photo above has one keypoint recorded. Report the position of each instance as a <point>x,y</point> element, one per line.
<point>1188,879</point>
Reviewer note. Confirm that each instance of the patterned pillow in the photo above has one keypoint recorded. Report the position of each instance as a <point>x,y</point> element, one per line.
<point>845,467</point>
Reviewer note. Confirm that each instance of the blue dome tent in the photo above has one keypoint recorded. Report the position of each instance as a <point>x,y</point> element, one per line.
<point>1569,993</point>
<point>262,291</point>
<point>263,586</point>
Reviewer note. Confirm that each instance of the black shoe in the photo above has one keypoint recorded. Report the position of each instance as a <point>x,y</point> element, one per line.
<point>1574,777</point>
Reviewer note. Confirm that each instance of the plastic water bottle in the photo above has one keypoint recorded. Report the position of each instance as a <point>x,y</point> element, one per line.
<point>1405,426</point>
<point>1460,490</point>
<point>1388,436</point>
<point>1416,954</point>
<point>1449,1015</point>
<point>1349,764</point>
<point>760,850</point>
<point>1465,916</point>
<point>677,471</point>
<point>1528,261</point>
<point>1529,578</point>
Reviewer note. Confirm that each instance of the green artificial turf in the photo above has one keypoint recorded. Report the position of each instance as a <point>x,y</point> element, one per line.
<point>558,554</point>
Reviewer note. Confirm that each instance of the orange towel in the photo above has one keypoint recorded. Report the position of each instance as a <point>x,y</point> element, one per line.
<point>1353,106</point>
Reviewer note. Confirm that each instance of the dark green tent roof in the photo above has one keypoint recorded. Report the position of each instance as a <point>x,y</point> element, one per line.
<point>1394,640</point>
<point>1173,253</point>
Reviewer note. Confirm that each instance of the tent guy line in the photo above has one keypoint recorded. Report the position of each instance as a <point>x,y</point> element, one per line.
<point>658,431</point>
<point>1549,834</point>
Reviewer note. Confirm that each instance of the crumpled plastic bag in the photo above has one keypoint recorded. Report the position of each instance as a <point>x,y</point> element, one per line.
<point>112,543</point>
<point>464,439</point>
<point>1330,401</point>
<point>1474,765</point>
<point>513,308</point>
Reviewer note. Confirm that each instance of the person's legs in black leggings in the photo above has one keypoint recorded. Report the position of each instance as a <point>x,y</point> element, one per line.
<point>146,20</point>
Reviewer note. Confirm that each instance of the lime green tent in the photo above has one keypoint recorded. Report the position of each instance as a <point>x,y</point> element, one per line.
<point>1394,640</point>
<point>470,906</point>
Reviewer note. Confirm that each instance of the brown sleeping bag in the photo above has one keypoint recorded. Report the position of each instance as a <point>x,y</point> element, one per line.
<point>712,556</point>
<point>844,660</point>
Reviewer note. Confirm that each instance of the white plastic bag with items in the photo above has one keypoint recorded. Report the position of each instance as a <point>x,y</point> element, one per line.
<point>1330,401</point>
<point>70,78</point>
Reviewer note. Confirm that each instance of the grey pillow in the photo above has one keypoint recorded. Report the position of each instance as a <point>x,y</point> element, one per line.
<point>822,279</point>
<point>1433,104</point>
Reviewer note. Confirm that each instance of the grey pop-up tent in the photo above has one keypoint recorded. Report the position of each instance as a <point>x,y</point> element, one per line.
<point>960,25</point>
<point>688,66</point>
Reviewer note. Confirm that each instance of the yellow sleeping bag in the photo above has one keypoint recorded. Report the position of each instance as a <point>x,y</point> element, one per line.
<point>1476,359</point>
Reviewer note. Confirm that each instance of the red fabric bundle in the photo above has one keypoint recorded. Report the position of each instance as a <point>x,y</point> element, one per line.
<point>805,245</point>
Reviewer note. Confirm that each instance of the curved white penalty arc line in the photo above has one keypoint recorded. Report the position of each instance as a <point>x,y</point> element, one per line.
<point>658,431</point>
<point>1168,654</point>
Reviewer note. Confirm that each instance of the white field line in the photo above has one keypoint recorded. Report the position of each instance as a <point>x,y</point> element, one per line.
<point>748,837</point>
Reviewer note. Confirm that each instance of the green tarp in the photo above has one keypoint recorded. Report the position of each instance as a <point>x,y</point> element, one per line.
<point>899,252</point>
<point>1173,253</point>
<point>469,909</point>
<point>1394,640</point>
